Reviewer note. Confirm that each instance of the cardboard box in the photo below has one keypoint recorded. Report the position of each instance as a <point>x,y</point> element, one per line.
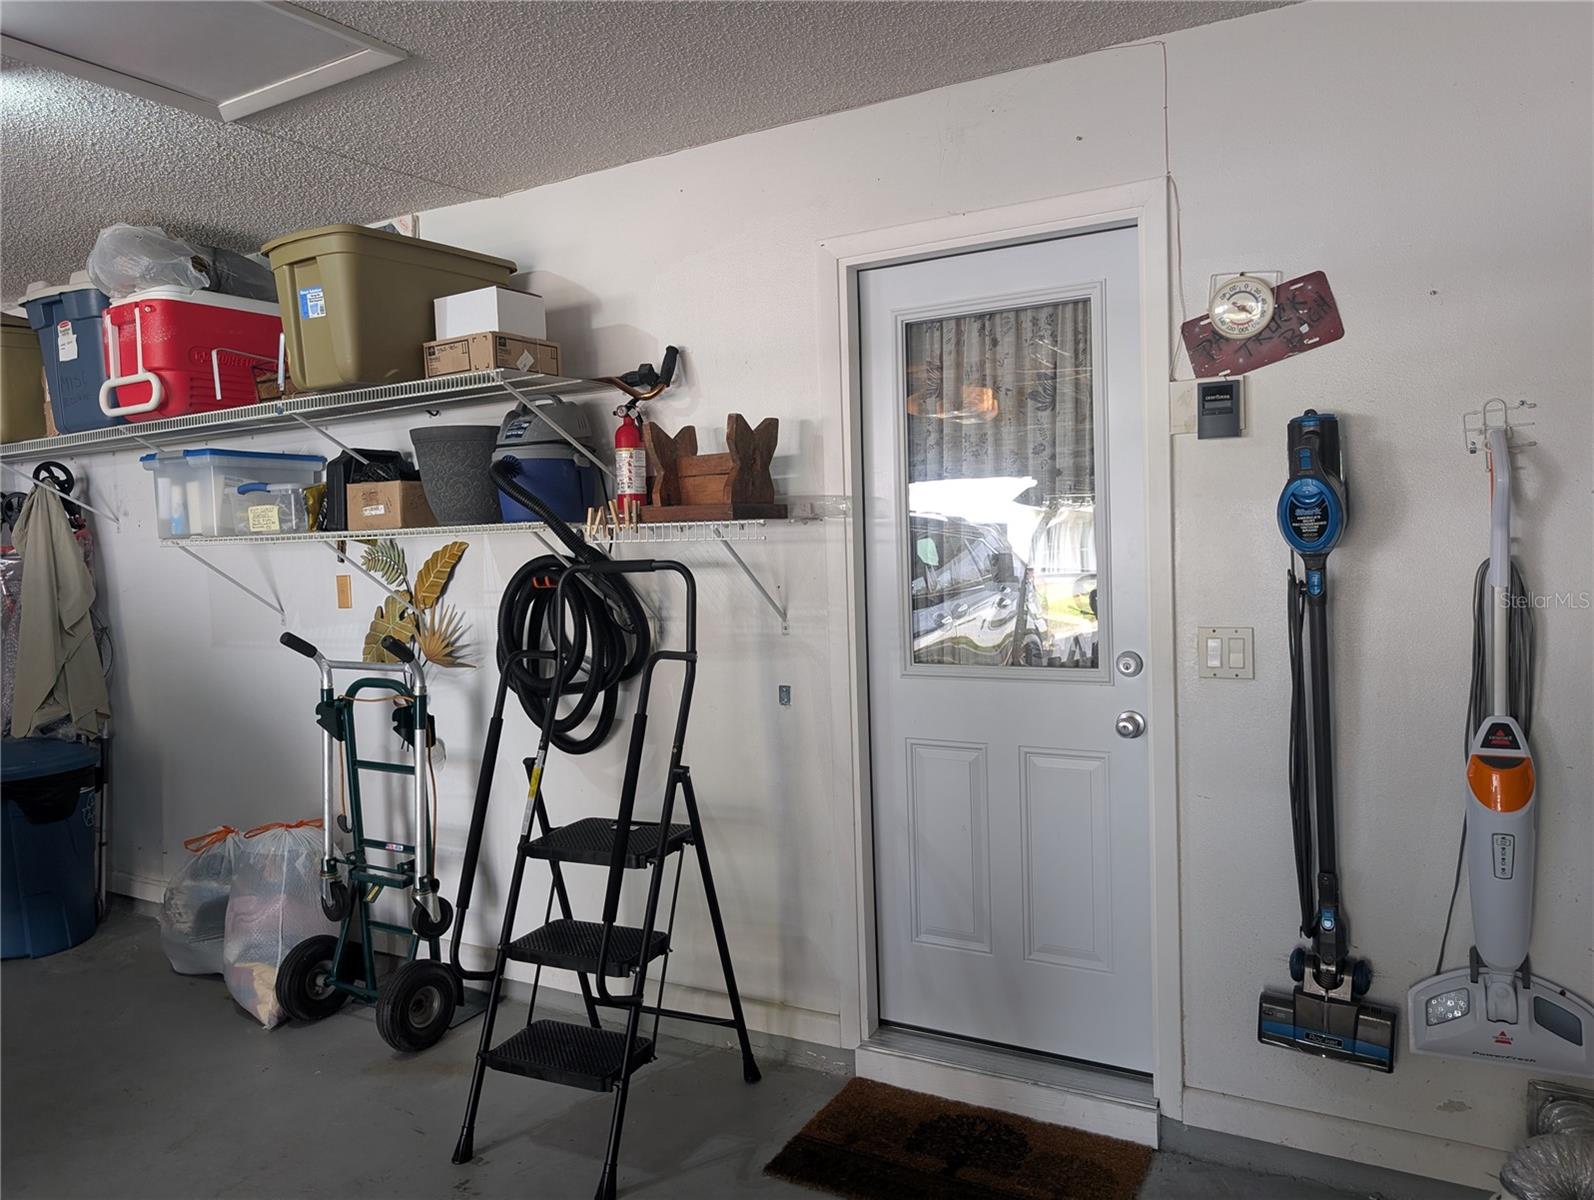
<point>486,351</point>
<point>490,310</point>
<point>393,504</point>
<point>266,388</point>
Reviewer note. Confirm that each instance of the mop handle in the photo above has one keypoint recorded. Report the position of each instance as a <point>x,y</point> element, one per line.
<point>1500,569</point>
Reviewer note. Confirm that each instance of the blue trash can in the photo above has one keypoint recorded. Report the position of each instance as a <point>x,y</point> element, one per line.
<point>72,339</point>
<point>47,841</point>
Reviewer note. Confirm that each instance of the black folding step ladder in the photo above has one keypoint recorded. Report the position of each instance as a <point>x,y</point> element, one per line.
<point>591,1056</point>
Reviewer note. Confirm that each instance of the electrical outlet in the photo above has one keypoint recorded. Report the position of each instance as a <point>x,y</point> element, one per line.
<point>345,591</point>
<point>785,694</point>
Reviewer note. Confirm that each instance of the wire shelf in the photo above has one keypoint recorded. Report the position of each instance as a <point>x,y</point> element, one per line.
<point>679,531</point>
<point>467,388</point>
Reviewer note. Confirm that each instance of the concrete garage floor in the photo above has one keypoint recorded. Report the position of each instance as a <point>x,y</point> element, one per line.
<point>121,1079</point>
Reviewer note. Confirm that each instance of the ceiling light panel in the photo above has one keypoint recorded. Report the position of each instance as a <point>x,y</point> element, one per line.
<point>220,58</point>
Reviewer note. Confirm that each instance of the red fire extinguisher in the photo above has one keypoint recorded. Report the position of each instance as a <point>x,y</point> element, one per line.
<point>630,461</point>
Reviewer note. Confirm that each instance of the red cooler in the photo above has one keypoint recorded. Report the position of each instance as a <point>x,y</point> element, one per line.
<point>170,351</point>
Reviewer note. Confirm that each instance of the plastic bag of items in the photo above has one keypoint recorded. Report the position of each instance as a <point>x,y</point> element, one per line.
<point>133,258</point>
<point>275,904</point>
<point>193,916</point>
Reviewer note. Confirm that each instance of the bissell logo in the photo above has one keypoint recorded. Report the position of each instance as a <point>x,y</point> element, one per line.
<point>1502,1038</point>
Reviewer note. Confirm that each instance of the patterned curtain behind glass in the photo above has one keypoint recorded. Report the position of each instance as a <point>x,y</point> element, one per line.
<point>1005,393</point>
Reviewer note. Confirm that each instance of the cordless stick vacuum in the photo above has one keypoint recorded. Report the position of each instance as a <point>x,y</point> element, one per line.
<point>1495,1009</point>
<point>1325,1015</point>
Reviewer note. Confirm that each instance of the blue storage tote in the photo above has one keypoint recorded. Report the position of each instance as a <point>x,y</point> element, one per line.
<point>71,333</point>
<point>48,884</point>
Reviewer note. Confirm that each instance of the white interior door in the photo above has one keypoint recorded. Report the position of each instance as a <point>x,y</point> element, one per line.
<point>1005,516</point>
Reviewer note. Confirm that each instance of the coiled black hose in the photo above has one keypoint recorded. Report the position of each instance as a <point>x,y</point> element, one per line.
<point>603,634</point>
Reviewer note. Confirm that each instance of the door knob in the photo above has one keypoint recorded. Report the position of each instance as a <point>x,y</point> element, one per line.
<point>1130,724</point>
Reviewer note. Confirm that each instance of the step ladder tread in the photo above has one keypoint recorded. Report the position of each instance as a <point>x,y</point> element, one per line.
<point>574,1055</point>
<point>574,946</point>
<point>591,840</point>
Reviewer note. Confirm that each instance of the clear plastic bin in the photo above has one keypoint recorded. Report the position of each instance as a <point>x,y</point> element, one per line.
<point>196,491</point>
<point>269,508</point>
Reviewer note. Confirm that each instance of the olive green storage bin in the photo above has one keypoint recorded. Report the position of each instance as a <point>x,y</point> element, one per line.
<point>357,303</point>
<point>21,381</point>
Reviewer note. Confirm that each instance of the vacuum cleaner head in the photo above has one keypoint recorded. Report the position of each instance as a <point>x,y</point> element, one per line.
<point>1353,1031</point>
<point>1552,1029</point>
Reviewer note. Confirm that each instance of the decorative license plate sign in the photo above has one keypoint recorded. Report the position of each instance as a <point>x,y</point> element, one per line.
<point>1304,318</point>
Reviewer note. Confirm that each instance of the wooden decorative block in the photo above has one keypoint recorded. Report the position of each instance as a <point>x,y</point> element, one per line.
<point>733,485</point>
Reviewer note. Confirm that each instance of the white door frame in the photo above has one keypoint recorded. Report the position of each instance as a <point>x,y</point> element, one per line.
<point>1145,204</point>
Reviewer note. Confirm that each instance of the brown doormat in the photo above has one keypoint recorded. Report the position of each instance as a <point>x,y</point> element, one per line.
<point>877,1142</point>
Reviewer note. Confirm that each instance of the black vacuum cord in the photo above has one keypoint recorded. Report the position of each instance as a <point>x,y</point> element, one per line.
<point>1300,739</point>
<point>602,632</point>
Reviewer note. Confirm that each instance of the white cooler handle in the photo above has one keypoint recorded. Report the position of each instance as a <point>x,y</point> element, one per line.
<point>117,379</point>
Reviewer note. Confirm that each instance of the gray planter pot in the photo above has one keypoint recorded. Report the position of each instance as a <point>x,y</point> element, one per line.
<point>454,461</point>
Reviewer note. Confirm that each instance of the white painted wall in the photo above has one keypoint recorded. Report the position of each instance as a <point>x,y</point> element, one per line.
<point>1434,160</point>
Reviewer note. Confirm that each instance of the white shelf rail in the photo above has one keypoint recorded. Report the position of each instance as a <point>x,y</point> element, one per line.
<point>310,408</point>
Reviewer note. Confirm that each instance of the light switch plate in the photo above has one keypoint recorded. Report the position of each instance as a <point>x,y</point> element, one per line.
<point>1225,652</point>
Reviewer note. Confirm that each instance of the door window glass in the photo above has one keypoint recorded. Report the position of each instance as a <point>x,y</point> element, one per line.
<point>1001,469</point>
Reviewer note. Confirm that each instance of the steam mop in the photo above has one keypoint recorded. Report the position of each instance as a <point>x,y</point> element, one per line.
<point>1326,1014</point>
<point>1495,1009</point>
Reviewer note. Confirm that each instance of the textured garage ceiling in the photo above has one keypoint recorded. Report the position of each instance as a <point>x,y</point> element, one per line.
<point>498,97</point>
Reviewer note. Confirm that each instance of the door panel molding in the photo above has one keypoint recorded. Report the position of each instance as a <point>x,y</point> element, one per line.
<point>1051,872</point>
<point>933,848</point>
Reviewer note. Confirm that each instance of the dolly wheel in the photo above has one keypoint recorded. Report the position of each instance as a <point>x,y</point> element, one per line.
<point>416,1005</point>
<point>336,901</point>
<point>304,980</point>
<point>421,921</point>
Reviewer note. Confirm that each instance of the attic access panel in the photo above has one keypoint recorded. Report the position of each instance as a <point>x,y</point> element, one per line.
<point>222,60</point>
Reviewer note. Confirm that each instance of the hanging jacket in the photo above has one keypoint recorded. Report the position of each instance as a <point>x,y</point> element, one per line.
<point>58,664</point>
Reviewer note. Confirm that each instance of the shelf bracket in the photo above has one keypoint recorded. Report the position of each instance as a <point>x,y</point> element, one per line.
<point>38,483</point>
<point>775,605</point>
<point>316,429</point>
<point>532,407</point>
<point>347,560</point>
<point>241,586</point>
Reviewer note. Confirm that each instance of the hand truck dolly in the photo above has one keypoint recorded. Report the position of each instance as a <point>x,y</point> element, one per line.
<point>420,999</point>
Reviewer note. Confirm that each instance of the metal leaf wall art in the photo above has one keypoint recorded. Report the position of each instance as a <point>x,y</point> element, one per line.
<point>437,631</point>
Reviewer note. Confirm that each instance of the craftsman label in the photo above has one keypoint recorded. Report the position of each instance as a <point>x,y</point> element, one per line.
<point>65,342</point>
<point>1505,854</point>
<point>312,303</point>
<point>1304,318</point>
